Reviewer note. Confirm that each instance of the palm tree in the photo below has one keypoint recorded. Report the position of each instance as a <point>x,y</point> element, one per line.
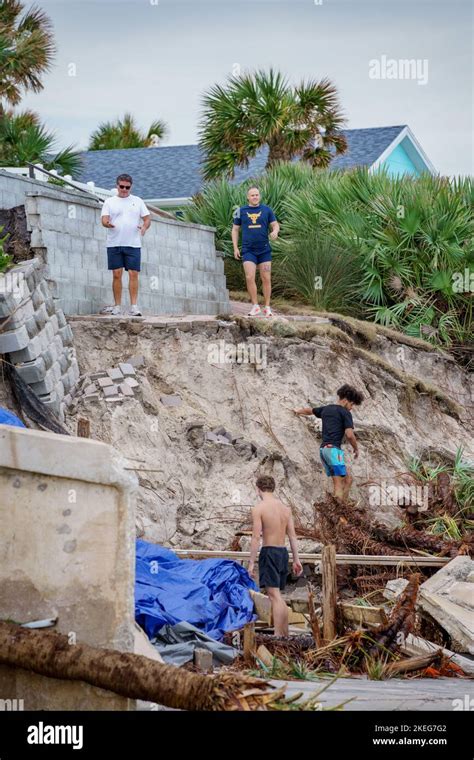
<point>23,138</point>
<point>26,50</point>
<point>125,133</point>
<point>262,109</point>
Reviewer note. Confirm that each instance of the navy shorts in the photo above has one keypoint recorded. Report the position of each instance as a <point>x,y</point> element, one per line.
<point>273,567</point>
<point>257,256</point>
<point>124,256</point>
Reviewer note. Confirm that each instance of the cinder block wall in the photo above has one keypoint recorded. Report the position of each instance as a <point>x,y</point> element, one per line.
<point>34,332</point>
<point>67,550</point>
<point>181,271</point>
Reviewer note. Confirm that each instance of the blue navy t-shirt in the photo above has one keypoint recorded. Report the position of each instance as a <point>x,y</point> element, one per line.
<point>336,419</point>
<point>254,221</point>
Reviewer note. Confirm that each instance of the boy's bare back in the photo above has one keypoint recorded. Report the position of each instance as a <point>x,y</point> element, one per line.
<point>276,519</point>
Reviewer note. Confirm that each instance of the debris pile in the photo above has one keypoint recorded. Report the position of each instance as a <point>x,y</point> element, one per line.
<point>112,385</point>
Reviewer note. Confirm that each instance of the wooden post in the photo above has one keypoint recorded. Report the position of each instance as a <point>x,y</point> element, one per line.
<point>249,642</point>
<point>328,567</point>
<point>203,660</point>
<point>83,428</point>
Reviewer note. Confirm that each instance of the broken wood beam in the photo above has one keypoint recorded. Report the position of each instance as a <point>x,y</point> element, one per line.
<point>341,559</point>
<point>249,642</point>
<point>329,592</point>
<point>419,662</point>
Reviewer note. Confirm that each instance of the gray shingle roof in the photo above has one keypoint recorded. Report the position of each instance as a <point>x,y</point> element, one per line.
<point>174,171</point>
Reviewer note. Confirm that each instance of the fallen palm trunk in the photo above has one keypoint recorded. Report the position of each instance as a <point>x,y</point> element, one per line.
<point>133,676</point>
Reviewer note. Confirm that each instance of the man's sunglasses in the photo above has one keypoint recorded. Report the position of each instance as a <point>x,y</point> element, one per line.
<point>125,187</point>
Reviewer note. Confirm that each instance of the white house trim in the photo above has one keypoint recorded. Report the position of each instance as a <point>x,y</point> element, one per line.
<point>408,134</point>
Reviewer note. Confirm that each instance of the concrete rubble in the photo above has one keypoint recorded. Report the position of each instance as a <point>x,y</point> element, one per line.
<point>448,596</point>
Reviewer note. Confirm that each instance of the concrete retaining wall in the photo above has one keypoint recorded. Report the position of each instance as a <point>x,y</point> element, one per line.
<point>181,271</point>
<point>67,550</point>
<point>34,331</point>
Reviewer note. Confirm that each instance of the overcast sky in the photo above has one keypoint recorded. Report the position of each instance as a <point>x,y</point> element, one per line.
<point>155,58</point>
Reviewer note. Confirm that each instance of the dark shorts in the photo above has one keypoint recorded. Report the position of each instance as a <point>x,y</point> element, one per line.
<point>124,256</point>
<point>257,256</point>
<point>273,567</point>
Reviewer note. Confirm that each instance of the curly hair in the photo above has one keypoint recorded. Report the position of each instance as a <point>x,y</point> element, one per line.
<point>351,394</point>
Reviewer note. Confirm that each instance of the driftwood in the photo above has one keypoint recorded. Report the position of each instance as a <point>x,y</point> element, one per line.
<point>420,662</point>
<point>130,675</point>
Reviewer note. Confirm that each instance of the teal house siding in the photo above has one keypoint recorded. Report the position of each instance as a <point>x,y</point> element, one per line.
<point>399,163</point>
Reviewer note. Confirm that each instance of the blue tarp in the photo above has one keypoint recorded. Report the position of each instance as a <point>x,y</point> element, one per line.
<point>7,418</point>
<point>211,594</point>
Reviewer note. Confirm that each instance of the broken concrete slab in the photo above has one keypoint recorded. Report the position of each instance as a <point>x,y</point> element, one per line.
<point>209,436</point>
<point>223,439</point>
<point>114,373</point>
<point>96,375</point>
<point>126,390</point>
<point>170,400</point>
<point>131,382</point>
<point>110,391</point>
<point>136,361</point>
<point>394,588</point>
<point>219,430</point>
<point>90,389</point>
<point>126,369</point>
<point>105,382</point>
<point>447,596</point>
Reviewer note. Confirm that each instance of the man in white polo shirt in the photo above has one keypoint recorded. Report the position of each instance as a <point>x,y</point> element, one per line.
<point>127,219</point>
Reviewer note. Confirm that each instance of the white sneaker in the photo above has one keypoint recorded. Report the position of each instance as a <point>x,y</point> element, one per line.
<point>255,310</point>
<point>134,311</point>
<point>267,312</point>
<point>114,310</point>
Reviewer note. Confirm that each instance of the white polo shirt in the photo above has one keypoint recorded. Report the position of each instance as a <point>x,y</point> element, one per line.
<point>126,215</point>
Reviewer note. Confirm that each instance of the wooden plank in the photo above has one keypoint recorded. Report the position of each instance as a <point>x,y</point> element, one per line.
<point>203,660</point>
<point>341,559</point>
<point>355,613</point>
<point>329,604</point>
<point>263,607</point>
<point>249,642</point>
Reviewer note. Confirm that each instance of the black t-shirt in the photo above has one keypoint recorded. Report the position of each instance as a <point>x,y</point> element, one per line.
<point>336,419</point>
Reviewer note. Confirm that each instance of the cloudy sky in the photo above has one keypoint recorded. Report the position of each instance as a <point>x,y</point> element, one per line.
<point>155,58</point>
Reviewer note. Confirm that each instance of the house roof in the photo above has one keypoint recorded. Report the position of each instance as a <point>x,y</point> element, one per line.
<point>174,171</point>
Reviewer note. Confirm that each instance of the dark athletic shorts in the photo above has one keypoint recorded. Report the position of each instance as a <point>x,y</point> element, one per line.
<point>273,567</point>
<point>124,256</point>
<point>257,256</point>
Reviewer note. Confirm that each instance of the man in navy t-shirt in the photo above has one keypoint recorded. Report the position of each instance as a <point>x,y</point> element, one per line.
<point>254,220</point>
<point>337,422</point>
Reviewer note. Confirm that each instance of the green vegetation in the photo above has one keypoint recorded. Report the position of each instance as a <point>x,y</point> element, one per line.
<point>261,109</point>
<point>398,251</point>
<point>125,133</point>
<point>5,259</point>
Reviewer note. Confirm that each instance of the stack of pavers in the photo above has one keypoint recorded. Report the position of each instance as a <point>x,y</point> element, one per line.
<point>113,385</point>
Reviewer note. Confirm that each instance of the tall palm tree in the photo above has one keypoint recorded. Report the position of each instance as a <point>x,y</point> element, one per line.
<point>24,138</point>
<point>125,133</point>
<point>262,109</point>
<point>26,50</point>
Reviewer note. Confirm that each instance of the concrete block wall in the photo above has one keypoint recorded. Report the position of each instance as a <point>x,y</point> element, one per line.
<point>181,271</point>
<point>35,333</point>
